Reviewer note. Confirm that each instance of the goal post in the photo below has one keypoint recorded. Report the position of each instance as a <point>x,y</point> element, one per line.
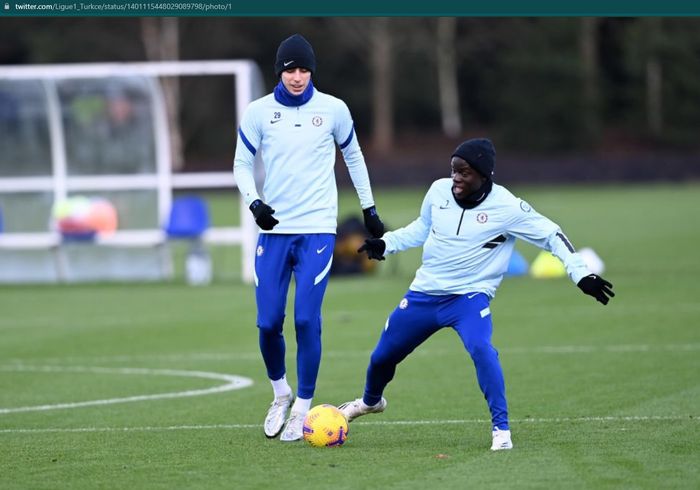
<point>57,142</point>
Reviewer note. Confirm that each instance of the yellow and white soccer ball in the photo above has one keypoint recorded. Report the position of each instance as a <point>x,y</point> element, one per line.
<point>325,426</point>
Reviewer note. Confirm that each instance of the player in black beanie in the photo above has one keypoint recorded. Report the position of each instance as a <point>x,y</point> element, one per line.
<point>294,133</point>
<point>467,226</point>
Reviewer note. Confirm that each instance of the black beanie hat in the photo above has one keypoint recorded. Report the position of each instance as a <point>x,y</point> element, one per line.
<point>295,52</point>
<point>479,153</point>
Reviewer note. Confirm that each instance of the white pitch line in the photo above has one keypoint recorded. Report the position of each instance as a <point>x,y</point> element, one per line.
<point>544,420</point>
<point>233,382</point>
<point>585,349</point>
<point>530,420</point>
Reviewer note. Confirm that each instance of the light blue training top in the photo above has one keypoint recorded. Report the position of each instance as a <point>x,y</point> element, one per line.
<point>468,250</point>
<point>298,149</point>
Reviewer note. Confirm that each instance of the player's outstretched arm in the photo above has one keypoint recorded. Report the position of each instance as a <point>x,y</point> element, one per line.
<point>596,286</point>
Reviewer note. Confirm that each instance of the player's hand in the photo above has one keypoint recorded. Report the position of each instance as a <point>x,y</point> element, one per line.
<point>374,247</point>
<point>263,215</point>
<point>372,222</point>
<point>596,286</point>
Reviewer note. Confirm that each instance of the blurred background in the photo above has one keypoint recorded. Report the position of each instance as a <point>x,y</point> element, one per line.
<point>564,99</point>
<point>579,100</point>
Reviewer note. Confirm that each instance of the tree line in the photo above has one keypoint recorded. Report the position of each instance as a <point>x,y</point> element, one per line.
<point>540,84</point>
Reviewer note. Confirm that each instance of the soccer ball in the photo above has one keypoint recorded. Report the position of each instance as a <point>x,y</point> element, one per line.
<point>325,426</point>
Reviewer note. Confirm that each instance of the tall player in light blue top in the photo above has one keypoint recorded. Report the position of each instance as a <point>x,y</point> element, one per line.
<point>295,130</point>
<point>467,227</point>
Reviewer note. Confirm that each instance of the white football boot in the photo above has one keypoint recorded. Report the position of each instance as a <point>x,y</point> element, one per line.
<point>357,408</point>
<point>294,430</point>
<point>277,414</point>
<point>501,440</point>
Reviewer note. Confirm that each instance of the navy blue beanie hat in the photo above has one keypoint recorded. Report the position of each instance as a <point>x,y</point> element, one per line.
<point>479,153</point>
<point>295,52</point>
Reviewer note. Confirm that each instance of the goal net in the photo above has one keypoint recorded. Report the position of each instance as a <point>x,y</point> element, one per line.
<point>101,131</point>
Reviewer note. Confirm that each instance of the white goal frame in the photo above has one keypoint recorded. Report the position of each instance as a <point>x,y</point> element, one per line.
<point>248,87</point>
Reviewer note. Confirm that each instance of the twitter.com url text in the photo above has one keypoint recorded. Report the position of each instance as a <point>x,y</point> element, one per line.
<point>118,7</point>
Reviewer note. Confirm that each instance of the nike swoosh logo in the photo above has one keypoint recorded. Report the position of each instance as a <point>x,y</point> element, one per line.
<point>275,121</point>
<point>446,205</point>
<point>287,63</point>
<point>470,296</point>
<point>319,250</point>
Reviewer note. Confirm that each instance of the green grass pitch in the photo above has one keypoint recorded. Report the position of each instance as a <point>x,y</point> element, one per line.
<point>600,397</point>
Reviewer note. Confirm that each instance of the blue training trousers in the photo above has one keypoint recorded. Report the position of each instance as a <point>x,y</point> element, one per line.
<point>419,316</point>
<point>309,258</point>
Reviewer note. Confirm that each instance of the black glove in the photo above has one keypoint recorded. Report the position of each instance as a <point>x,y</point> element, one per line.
<point>372,222</point>
<point>596,286</point>
<point>263,215</point>
<point>374,247</point>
